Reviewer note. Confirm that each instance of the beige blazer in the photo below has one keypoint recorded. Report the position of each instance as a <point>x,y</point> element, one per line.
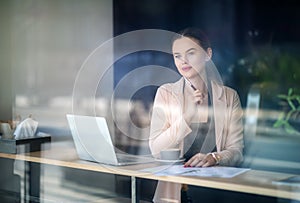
<point>168,127</point>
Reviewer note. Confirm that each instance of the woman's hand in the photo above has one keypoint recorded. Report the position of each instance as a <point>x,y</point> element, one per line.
<point>198,97</point>
<point>201,160</point>
<point>193,103</point>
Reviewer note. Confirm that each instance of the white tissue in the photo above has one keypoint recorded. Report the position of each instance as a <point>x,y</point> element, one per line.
<point>26,129</point>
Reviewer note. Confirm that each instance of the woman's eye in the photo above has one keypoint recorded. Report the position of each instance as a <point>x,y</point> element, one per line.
<point>191,53</point>
<point>177,56</point>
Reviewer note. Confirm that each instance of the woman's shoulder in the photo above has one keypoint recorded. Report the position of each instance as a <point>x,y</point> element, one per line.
<point>167,86</point>
<point>229,91</point>
<point>171,86</point>
<point>221,86</point>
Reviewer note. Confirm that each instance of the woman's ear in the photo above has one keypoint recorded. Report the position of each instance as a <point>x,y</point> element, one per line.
<point>208,54</point>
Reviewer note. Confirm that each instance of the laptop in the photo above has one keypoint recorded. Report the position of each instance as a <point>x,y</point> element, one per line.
<point>93,142</point>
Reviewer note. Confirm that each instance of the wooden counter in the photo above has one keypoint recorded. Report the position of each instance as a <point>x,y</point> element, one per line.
<point>252,182</point>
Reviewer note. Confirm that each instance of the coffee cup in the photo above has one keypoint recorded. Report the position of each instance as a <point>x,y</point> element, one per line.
<point>170,154</point>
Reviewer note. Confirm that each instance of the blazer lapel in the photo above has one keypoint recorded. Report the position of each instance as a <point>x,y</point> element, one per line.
<point>220,106</point>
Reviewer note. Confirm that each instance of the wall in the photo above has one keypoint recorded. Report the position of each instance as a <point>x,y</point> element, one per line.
<point>5,74</point>
<point>48,43</point>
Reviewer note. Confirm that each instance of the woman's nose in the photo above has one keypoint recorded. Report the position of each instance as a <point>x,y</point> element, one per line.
<point>184,60</point>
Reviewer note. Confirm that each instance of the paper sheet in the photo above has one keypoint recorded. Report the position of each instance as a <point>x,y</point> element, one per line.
<point>291,181</point>
<point>180,170</point>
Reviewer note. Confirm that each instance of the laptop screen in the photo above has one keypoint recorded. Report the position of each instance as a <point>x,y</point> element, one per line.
<point>92,139</point>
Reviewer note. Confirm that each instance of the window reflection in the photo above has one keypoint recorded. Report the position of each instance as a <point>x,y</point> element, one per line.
<point>256,51</point>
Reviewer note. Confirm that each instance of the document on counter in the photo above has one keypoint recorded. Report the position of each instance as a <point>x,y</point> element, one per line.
<point>180,170</point>
<point>291,181</point>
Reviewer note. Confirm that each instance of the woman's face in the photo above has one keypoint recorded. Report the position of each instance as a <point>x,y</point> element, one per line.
<point>189,57</point>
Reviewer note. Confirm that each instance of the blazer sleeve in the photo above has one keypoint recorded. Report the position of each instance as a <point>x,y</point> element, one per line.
<point>233,137</point>
<point>168,127</point>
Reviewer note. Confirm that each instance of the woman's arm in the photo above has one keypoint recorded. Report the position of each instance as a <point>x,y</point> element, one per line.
<point>232,150</point>
<point>168,126</point>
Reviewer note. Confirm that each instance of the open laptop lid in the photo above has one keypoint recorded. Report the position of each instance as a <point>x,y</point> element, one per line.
<point>92,139</point>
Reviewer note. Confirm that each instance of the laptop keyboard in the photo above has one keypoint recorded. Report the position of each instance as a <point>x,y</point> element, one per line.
<point>130,158</point>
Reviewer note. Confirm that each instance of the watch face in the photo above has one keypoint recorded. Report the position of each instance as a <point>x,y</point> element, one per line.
<point>217,157</point>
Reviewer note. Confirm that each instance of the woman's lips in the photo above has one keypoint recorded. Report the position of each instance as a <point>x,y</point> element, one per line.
<point>186,68</point>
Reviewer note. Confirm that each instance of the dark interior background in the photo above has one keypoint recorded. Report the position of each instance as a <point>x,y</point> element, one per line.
<point>235,28</point>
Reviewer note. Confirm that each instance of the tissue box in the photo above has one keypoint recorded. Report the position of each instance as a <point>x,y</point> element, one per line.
<point>16,146</point>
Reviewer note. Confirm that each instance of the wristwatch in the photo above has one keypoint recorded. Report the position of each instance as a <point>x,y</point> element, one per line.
<point>217,157</point>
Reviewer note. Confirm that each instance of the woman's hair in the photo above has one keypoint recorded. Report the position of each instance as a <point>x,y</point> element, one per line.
<point>195,34</point>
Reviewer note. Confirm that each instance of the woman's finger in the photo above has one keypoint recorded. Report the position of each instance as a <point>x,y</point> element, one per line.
<point>194,161</point>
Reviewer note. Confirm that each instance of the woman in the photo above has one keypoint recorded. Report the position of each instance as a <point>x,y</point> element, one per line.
<point>196,114</point>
